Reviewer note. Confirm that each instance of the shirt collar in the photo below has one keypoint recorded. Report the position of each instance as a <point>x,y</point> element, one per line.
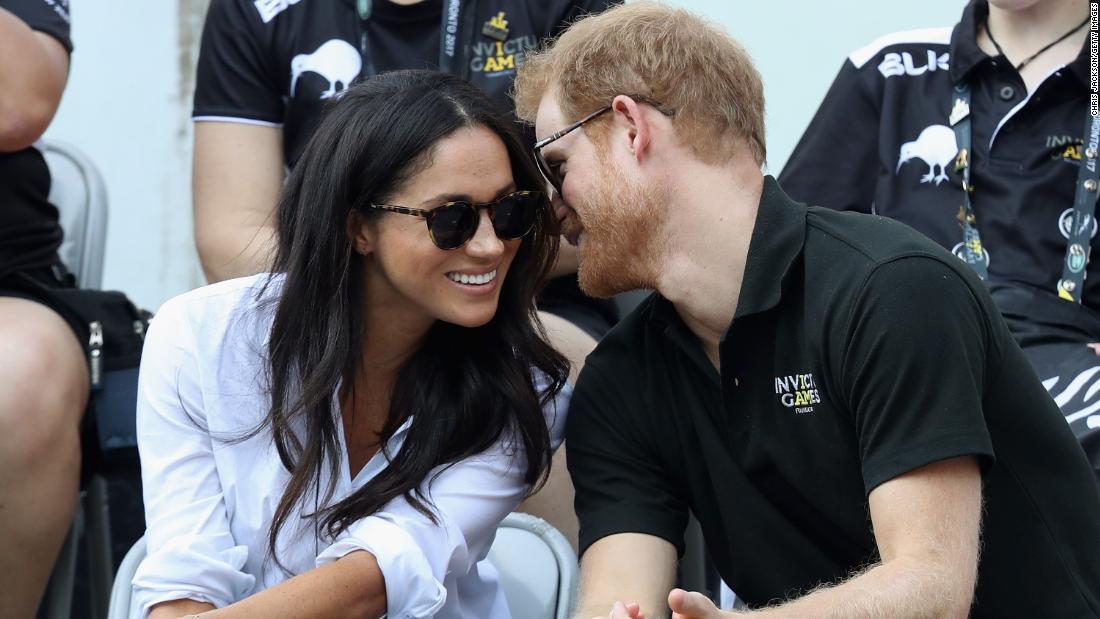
<point>966,55</point>
<point>777,240</point>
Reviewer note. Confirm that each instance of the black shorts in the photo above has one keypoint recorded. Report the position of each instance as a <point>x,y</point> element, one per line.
<point>1054,335</point>
<point>36,284</point>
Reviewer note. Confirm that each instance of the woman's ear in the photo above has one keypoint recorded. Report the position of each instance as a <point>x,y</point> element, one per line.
<point>360,233</point>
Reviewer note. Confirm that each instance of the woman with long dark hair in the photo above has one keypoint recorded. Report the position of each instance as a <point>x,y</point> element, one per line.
<point>342,437</point>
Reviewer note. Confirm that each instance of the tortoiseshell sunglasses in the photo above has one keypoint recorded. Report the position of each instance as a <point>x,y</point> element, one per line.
<point>453,224</point>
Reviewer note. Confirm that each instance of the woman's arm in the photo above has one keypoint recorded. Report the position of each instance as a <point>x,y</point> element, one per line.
<point>191,551</point>
<point>470,498</point>
<point>351,587</point>
<point>176,609</point>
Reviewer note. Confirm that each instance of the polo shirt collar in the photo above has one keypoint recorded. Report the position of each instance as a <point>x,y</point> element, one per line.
<point>966,55</point>
<point>777,239</point>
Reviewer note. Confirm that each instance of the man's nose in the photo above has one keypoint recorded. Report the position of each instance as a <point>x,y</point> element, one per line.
<point>561,210</point>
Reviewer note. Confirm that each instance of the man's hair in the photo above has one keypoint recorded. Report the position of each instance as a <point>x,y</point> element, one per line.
<point>670,56</point>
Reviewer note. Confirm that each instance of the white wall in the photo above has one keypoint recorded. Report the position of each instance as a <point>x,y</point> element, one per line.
<point>127,105</point>
<point>129,98</point>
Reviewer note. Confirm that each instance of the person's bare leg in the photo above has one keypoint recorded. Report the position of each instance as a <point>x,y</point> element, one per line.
<point>43,392</point>
<point>554,502</point>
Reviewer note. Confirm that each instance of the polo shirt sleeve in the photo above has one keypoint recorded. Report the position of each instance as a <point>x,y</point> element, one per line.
<point>234,79</point>
<point>614,460</point>
<point>915,367</point>
<point>47,16</point>
<point>836,163</point>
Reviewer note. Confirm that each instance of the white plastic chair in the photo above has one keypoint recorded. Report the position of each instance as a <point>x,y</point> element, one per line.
<point>78,192</point>
<point>537,566</point>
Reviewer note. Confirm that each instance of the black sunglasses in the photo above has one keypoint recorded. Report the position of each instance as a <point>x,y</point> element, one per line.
<point>549,172</point>
<point>453,224</point>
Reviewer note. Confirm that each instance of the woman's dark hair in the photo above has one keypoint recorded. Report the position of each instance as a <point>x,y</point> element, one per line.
<point>465,388</point>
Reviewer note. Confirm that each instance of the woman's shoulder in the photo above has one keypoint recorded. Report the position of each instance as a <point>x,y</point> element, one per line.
<point>240,306</point>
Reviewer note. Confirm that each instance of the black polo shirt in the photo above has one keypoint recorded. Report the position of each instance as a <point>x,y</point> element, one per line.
<point>881,142</point>
<point>859,351</point>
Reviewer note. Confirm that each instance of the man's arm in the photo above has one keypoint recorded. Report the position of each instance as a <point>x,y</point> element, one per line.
<point>30,87</point>
<point>926,525</point>
<point>237,175</point>
<point>627,568</point>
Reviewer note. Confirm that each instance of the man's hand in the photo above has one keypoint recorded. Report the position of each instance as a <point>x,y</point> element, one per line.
<point>693,605</point>
<point>1095,348</point>
<point>625,611</point>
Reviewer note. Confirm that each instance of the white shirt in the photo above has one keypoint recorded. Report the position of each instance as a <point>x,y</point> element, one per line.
<point>209,501</point>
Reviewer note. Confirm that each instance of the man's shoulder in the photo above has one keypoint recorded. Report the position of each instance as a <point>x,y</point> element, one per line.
<point>625,351</point>
<point>626,341</point>
<point>850,255</point>
<point>862,241</point>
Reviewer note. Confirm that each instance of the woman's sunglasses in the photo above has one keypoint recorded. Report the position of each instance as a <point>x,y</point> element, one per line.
<point>453,224</point>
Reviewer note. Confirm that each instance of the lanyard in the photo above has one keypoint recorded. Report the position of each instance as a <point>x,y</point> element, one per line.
<point>455,24</point>
<point>1071,284</point>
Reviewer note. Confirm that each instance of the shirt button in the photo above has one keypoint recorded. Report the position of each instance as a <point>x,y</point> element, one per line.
<point>1007,92</point>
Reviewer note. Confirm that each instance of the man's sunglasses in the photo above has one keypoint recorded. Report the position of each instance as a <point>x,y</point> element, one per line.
<point>453,224</point>
<point>549,172</point>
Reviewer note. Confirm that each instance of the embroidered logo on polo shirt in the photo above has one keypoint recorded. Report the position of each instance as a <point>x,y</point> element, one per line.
<point>500,58</point>
<point>798,391</point>
<point>902,64</point>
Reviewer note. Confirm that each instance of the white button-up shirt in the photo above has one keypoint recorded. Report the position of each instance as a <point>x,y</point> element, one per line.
<point>209,500</point>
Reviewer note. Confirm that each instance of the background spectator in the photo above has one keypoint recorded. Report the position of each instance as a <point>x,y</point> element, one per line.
<point>883,142</point>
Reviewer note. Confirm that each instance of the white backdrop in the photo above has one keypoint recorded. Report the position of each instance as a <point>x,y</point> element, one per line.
<point>129,97</point>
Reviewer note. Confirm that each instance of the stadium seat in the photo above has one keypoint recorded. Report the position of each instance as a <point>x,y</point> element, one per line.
<point>78,192</point>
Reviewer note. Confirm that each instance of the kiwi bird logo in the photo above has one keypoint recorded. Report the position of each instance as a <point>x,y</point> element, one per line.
<point>936,147</point>
<point>336,61</point>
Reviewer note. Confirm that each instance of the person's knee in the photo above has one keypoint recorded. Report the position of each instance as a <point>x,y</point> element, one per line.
<point>43,385</point>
